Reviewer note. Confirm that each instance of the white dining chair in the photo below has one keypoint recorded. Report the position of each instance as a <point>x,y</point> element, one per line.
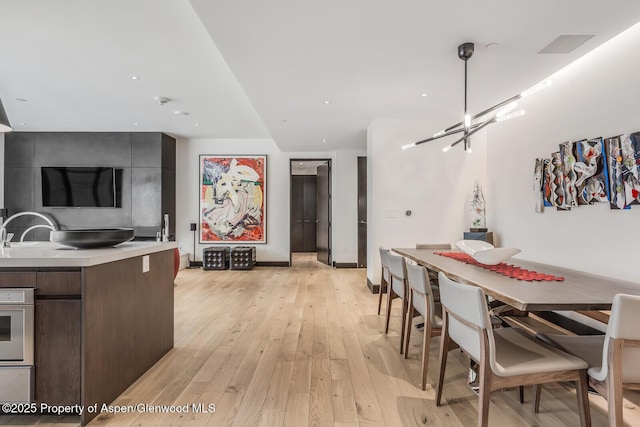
<point>613,358</point>
<point>384,275</point>
<point>421,303</point>
<point>507,357</point>
<point>397,288</point>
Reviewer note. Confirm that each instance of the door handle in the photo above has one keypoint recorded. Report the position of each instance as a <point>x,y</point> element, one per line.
<point>363,222</point>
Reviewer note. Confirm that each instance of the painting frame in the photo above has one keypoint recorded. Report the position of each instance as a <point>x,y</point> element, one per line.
<point>232,202</point>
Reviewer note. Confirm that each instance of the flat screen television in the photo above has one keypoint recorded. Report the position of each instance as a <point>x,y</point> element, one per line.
<point>80,187</point>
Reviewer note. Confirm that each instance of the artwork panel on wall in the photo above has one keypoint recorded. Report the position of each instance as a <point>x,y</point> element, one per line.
<point>233,199</point>
<point>616,185</point>
<point>631,168</point>
<point>547,178</point>
<point>593,181</point>
<point>538,171</point>
<point>568,162</point>
<point>557,181</point>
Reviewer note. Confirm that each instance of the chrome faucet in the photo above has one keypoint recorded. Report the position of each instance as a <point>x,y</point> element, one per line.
<point>4,241</point>
<point>5,237</point>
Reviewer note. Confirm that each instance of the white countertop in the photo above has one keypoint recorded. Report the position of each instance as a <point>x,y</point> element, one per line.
<point>49,254</point>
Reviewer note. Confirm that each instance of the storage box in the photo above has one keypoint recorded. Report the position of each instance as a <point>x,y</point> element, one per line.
<point>243,257</point>
<point>215,258</point>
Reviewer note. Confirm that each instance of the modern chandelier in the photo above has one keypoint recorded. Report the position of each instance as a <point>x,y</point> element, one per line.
<point>498,113</point>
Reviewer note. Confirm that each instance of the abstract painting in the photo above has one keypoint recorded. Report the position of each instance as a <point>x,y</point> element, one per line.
<point>547,179</point>
<point>616,185</point>
<point>589,171</point>
<point>631,168</point>
<point>557,181</point>
<point>537,184</point>
<point>592,183</point>
<point>233,199</point>
<point>568,161</point>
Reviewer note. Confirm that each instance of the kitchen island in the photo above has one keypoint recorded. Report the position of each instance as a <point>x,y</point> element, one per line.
<point>103,317</point>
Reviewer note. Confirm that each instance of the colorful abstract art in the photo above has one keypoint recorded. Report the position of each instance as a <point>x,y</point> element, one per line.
<point>568,160</point>
<point>631,168</point>
<point>589,171</point>
<point>592,182</point>
<point>233,199</point>
<point>613,149</point>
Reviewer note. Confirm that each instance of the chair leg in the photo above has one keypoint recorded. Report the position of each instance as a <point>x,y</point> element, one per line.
<point>583,401</point>
<point>404,316</point>
<point>389,298</point>
<point>614,383</point>
<point>408,327</point>
<point>485,393</point>
<point>426,344</point>
<point>444,351</point>
<point>383,284</point>
<point>521,394</point>
<point>535,401</point>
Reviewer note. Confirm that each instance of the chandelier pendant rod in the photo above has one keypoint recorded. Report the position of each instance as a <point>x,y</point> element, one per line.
<point>466,121</point>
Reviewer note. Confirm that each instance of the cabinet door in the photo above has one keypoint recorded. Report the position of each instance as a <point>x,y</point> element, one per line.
<point>57,351</point>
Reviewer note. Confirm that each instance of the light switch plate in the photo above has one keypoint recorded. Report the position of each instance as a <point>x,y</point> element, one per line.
<point>145,263</point>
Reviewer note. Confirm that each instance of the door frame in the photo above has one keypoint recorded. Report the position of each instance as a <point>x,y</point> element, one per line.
<point>329,162</point>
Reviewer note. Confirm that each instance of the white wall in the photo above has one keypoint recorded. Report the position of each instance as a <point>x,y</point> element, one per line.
<point>344,191</point>
<point>345,205</point>
<point>435,186</point>
<point>595,96</point>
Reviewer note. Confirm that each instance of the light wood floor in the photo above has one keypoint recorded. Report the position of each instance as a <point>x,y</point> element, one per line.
<point>304,346</point>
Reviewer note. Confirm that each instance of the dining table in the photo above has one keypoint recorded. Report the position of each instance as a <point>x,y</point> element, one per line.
<point>572,290</point>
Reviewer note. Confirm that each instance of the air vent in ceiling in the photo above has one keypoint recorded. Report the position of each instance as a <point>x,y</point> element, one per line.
<point>566,43</point>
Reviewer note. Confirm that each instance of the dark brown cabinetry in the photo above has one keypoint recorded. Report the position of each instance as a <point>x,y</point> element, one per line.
<point>303,213</point>
<point>58,325</point>
<point>97,328</point>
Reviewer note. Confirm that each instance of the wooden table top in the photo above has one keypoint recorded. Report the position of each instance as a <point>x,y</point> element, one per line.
<point>579,291</point>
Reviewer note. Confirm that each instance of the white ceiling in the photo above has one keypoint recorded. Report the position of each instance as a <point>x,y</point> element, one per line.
<point>256,68</point>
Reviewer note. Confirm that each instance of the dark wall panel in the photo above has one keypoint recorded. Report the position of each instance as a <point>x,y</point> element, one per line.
<point>146,193</point>
<point>82,149</point>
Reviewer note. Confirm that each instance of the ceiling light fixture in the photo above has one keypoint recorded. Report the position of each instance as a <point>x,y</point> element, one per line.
<point>5,126</point>
<point>327,102</point>
<point>135,78</point>
<point>324,140</point>
<point>424,94</point>
<point>498,113</point>
<point>161,99</point>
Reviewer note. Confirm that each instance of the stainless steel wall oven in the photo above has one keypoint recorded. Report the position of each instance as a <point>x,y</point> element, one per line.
<point>16,344</point>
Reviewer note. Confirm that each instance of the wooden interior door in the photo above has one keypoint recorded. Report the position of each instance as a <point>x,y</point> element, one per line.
<point>310,211</point>
<point>297,214</point>
<point>362,212</point>
<point>323,222</point>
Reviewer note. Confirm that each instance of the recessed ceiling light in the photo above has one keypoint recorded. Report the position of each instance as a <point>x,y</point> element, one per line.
<point>324,140</point>
<point>424,94</point>
<point>327,101</point>
<point>22,123</point>
<point>180,113</point>
<point>135,78</point>
<point>197,124</point>
<point>136,124</point>
<point>21,99</point>
<point>301,163</point>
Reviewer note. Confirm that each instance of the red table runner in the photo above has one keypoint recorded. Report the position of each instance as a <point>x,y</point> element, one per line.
<point>507,270</point>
